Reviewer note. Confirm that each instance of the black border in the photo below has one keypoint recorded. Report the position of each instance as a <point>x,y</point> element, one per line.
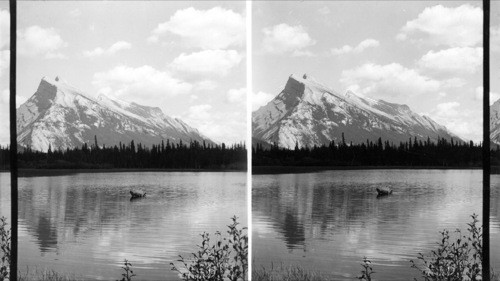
<point>486,140</point>
<point>13,140</point>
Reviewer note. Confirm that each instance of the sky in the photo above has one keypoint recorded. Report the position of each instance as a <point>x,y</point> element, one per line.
<point>188,58</point>
<point>425,54</point>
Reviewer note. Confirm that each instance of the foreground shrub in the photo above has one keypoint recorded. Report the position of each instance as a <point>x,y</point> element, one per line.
<point>454,259</point>
<point>366,273</point>
<point>222,258</point>
<point>128,272</point>
<point>4,249</point>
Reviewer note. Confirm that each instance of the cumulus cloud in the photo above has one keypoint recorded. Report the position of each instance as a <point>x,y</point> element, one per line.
<point>493,95</point>
<point>456,27</point>
<point>447,109</point>
<point>495,38</point>
<point>453,60</point>
<point>75,13</point>
<point>260,99</point>
<point>217,28</point>
<point>4,61</point>
<point>193,98</point>
<point>206,84</point>
<point>324,11</point>
<point>283,38</point>
<point>4,117</point>
<point>391,82</point>
<point>465,123</point>
<point>237,96</point>
<point>207,62</point>
<point>37,41</point>
<point>4,29</point>
<point>144,85</point>
<point>200,112</point>
<point>454,82</point>
<point>218,125</point>
<point>116,47</point>
<point>367,43</point>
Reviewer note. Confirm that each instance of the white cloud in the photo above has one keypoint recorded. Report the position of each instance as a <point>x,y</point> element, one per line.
<point>144,85</point>
<point>220,126</point>
<point>200,112</point>
<point>465,123</point>
<point>4,99</point>
<point>4,61</point>
<point>4,29</point>
<point>453,83</point>
<point>453,60</point>
<point>205,85</point>
<point>447,109</point>
<point>367,43</point>
<point>207,62</point>
<point>324,11</point>
<point>392,82</point>
<point>456,27</point>
<point>37,41</point>
<point>217,28</point>
<point>260,99</point>
<point>193,98</point>
<point>237,96</point>
<point>4,118</point>
<point>493,95</point>
<point>118,46</point>
<point>75,13</point>
<point>495,38</point>
<point>283,38</point>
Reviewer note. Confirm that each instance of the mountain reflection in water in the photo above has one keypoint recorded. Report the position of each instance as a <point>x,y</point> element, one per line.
<point>327,221</point>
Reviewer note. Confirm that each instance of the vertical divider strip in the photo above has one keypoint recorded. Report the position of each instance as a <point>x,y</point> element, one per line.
<point>248,30</point>
<point>13,141</point>
<point>486,140</point>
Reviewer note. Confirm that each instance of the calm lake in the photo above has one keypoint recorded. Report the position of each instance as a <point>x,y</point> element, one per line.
<point>328,221</point>
<point>85,224</point>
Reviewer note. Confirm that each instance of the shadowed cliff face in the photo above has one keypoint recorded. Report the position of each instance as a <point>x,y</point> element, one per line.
<point>495,122</point>
<point>309,113</point>
<point>61,116</point>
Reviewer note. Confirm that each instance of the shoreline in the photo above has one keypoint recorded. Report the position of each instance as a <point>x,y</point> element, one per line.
<point>26,173</point>
<point>270,170</point>
<point>256,170</point>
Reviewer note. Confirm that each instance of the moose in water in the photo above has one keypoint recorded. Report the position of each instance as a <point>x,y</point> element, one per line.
<point>137,194</point>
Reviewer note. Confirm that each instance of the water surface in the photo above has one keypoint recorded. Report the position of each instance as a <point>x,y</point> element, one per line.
<point>328,221</point>
<point>85,224</point>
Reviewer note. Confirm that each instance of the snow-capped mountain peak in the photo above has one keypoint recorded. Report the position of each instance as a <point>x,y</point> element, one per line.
<point>308,112</point>
<point>62,116</point>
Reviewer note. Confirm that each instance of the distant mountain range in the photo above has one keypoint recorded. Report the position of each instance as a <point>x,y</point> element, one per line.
<point>495,123</point>
<point>63,117</point>
<point>308,113</point>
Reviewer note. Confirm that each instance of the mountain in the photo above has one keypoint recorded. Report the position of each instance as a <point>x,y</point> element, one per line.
<point>495,123</point>
<point>309,113</point>
<point>63,117</point>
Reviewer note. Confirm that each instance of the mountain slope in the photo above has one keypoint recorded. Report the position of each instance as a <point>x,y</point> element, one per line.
<point>309,113</point>
<point>495,123</point>
<point>63,117</point>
